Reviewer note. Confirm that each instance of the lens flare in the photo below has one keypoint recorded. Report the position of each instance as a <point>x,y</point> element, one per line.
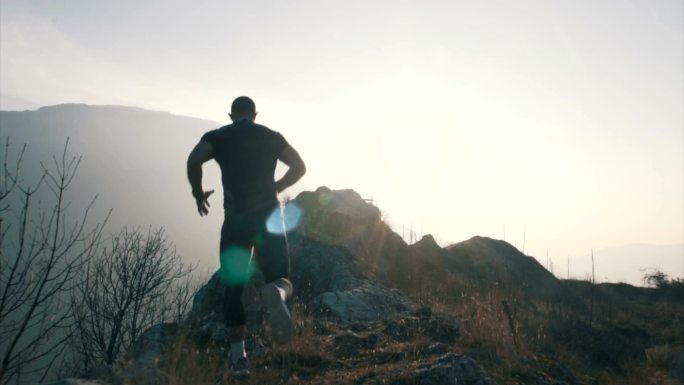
<point>235,266</point>
<point>284,219</point>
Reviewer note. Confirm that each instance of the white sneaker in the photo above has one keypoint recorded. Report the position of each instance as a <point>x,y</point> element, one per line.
<point>239,368</point>
<point>279,319</point>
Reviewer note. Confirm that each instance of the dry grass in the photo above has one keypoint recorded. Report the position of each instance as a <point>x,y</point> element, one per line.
<point>305,358</point>
<point>639,374</point>
<point>190,364</point>
<point>505,342</point>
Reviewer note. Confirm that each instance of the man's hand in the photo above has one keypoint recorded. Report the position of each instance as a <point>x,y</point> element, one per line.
<point>203,202</point>
<point>202,152</point>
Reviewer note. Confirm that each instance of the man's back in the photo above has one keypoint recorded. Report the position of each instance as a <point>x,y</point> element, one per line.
<point>247,154</point>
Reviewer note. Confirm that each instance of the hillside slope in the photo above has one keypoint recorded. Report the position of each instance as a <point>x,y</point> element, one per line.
<point>371,309</point>
<point>133,159</point>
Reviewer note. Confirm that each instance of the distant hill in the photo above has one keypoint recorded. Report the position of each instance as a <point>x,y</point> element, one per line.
<point>488,260</point>
<point>133,158</point>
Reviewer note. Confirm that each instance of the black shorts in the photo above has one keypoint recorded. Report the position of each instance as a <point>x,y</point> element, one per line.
<point>241,232</point>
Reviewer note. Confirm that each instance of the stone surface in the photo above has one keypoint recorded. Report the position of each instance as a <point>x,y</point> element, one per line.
<point>438,327</point>
<point>327,278</point>
<point>207,304</point>
<point>78,381</point>
<point>677,365</point>
<point>365,302</point>
<point>449,369</point>
<point>145,360</point>
<point>433,349</point>
<point>452,369</point>
<point>350,343</point>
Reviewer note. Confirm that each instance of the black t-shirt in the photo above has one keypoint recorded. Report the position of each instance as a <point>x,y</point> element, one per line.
<point>247,154</point>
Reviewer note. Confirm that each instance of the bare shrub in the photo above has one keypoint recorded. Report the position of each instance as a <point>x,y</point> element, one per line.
<point>137,281</point>
<point>41,254</point>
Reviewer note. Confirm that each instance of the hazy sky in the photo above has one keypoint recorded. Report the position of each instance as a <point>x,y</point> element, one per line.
<point>562,120</point>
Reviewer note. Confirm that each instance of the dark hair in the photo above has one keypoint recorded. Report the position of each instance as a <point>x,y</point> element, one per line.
<point>242,106</point>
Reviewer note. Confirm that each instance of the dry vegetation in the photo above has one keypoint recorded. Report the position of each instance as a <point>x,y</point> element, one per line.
<point>517,343</point>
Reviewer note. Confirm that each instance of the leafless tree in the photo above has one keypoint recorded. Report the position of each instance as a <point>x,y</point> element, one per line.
<point>42,250</point>
<point>655,278</point>
<point>137,281</point>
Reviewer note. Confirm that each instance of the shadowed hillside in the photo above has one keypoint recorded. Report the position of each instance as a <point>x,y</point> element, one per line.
<point>133,159</point>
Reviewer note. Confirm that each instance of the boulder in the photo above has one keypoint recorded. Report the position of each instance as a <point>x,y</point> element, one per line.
<point>365,302</point>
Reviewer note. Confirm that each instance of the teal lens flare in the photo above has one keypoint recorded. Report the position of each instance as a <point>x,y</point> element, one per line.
<point>284,219</point>
<point>236,268</point>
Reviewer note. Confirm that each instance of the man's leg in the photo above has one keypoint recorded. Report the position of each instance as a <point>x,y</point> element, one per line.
<point>235,274</point>
<point>234,313</point>
<point>272,256</point>
<point>235,324</point>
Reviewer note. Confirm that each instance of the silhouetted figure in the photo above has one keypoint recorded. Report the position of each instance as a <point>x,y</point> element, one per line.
<point>247,154</point>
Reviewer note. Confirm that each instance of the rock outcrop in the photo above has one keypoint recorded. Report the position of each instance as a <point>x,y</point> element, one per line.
<point>344,262</point>
<point>332,287</point>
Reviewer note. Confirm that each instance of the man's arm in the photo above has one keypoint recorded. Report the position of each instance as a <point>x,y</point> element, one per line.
<point>297,169</point>
<point>202,152</point>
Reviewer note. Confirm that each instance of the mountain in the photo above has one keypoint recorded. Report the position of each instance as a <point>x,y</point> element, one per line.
<point>133,159</point>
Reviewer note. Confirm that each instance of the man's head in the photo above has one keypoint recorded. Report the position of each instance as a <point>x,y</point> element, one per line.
<point>242,108</point>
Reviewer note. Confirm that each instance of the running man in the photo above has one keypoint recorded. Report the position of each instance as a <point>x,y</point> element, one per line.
<point>247,154</point>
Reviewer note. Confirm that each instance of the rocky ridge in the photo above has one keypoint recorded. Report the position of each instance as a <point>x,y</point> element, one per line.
<point>354,324</point>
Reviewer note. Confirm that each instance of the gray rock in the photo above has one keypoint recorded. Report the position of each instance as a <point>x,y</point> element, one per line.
<point>145,360</point>
<point>207,304</point>
<point>77,381</point>
<point>366,302</point>
<point>208,301</point>
<point>376,377</point>
<point>439,327</point>
<point>677,365</point>
<point>423,311</point>
<point>327,278</point>
<point>452,369</point>
<point>433,349</point>
<point>384,357</point>
<point>350,343</point>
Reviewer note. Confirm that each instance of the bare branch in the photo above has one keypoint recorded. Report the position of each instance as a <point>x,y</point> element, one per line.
<point>41,258</point>
<point>126,289</point>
